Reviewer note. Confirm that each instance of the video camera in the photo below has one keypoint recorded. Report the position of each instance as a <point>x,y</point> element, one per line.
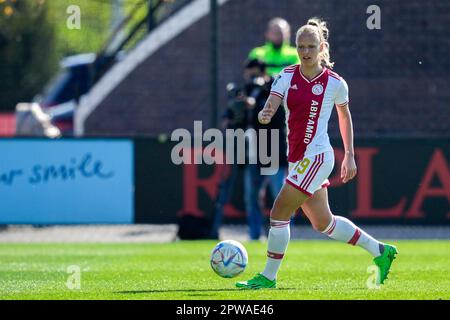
<point>254,92</point>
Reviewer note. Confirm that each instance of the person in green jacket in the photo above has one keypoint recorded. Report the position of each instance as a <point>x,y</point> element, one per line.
<point>277,53</point>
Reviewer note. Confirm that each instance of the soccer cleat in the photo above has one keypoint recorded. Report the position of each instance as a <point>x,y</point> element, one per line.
<point>258,282</point>
<point>384,262</point>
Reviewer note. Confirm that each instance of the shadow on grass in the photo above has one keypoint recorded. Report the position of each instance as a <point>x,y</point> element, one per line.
<point>191,290</point>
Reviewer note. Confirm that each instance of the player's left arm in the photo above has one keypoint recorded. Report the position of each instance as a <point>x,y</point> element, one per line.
<point>348,168</point>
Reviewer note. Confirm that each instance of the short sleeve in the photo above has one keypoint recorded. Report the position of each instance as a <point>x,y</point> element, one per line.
<point>342,94</point>
<point>281,84</point>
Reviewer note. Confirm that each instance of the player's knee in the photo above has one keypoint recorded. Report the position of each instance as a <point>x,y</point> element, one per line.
<point>280,212</point>
<point>279,215</point>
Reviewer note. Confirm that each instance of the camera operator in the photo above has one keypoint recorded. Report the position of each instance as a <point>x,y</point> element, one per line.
<point>234,117</point>
<point>256,91</point>
<point>242,111</point>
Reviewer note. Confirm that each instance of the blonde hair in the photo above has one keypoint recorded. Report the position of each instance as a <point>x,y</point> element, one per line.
<point>319,26</point>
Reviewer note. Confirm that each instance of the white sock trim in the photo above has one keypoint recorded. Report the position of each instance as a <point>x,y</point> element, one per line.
<point>329,229</point>
<point>279,223</point>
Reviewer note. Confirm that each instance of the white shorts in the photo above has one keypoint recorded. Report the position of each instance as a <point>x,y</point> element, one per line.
<point>311,173</point>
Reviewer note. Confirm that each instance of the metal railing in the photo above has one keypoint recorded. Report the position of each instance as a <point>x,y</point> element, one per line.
<point>129,32</point>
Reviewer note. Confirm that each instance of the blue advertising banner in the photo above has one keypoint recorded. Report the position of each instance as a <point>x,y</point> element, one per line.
<point>66,181</point>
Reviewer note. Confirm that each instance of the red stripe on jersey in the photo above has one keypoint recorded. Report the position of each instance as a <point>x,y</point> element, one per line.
<point>293,67</point>
<point>304,111</point>
<point>274,255</point>
<point>279,95</point>
<point>355,237</point>
<point>332,73</point>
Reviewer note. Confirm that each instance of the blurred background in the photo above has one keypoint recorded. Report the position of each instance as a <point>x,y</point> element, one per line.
<point>91,91</point>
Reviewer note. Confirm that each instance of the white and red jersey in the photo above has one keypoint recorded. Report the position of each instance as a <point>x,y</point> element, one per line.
<point>308,105</point>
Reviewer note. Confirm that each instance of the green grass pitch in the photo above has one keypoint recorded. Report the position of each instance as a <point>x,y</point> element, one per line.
<point>311,270</point>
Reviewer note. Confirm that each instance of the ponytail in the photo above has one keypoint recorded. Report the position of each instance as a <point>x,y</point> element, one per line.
<point>319,26</point>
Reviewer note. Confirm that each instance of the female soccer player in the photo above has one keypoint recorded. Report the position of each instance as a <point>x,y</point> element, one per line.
<point>310,91</point>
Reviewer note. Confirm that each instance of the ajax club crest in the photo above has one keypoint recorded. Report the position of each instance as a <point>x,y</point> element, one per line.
<point>317,89</point>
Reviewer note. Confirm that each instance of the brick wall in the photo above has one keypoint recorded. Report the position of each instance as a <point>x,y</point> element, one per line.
<point>398,76</point>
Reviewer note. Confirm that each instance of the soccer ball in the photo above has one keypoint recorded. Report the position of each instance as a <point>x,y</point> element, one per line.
<point>229,258</point>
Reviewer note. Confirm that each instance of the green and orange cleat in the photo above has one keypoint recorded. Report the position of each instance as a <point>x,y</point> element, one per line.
<point>257,282</point>
<point>384,262</point>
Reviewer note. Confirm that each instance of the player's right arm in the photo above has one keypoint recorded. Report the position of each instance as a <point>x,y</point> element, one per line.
<point>277,92</point>
<point>269,110</point>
